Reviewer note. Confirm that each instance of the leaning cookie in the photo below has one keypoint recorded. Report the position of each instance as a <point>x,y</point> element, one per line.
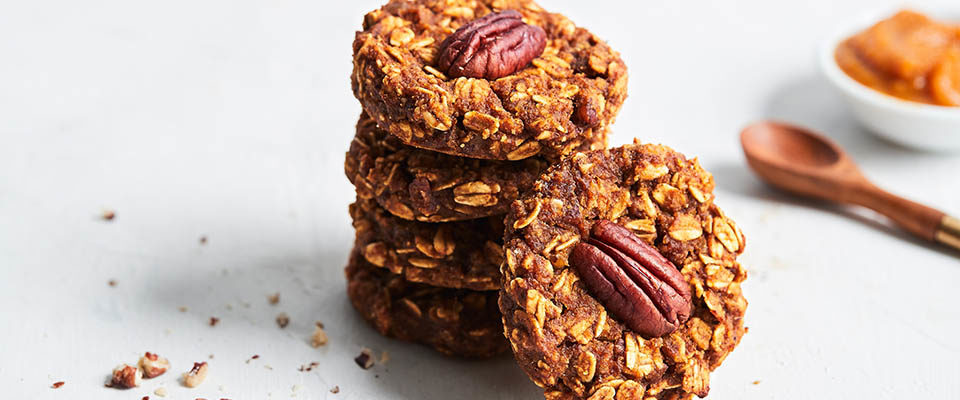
<point>493,79</point>
<point>621,279</point>
<point>427,186</point>
<point>463,254</point>
<point>454,322</point>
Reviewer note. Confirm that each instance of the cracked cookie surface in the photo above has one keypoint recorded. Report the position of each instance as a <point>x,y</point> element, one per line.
<point>453,321</point>
<point>563,101</point>
<point>562,336</point>
<point>462,254</point>
<point>427,186</point>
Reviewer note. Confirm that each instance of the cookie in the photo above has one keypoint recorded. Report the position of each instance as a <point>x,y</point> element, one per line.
<point>676,310</point>
<point>463,254</point>
<point>427,186</point>
<point>453,321</point>
<point>563,100</point>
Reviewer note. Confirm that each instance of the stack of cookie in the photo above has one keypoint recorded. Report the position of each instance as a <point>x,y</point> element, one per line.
<point>466,103</point>
<point>480,165</point>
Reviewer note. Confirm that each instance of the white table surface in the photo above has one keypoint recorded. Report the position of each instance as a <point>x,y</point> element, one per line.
<point>229,119</point>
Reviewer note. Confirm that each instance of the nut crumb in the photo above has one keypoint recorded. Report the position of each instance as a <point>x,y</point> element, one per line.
<point>125,376</point>
<point>274,299</point>
<point>335,390</point>
<point>112,283</point>
<point>365,359</point>
<point>283,320</point>
<point>161,391</point>
<point>308,368</point>
<point>214,321</point>
<point>153,365</point>
<point>319,337</point>
<point>108,215</point>
<point>56,385</point>
<point>196,375</point>
<point>203,240</point>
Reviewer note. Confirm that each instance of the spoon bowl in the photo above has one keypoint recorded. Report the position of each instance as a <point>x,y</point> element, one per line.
<point>791,144</point>
<point>797,160</point>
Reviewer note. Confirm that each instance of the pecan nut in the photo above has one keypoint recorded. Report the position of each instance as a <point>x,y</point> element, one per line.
<point>643,289</point>
<point>491,47</point>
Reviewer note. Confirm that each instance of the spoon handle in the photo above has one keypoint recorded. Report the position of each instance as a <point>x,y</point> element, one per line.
<point>926,222</point>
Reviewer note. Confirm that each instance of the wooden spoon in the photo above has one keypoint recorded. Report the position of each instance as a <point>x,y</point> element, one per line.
<point>805,163</point>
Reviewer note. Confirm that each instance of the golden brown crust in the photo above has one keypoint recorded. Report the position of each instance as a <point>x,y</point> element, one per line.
<point>454,322</point>
<point>463,254</point>
<point>563,101</point>
<point>427,186</point>
<point>561,335</point>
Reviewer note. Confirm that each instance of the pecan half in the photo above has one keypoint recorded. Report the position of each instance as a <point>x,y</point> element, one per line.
<point>643,289</point>
<point>491,47</point>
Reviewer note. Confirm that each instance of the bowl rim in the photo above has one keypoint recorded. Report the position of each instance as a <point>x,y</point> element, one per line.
<point>828,64</point>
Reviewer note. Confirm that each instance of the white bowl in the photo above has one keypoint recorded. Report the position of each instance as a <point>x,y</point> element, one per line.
<point>916,125</point>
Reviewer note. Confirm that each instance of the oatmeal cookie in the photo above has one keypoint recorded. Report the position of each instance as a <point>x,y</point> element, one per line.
<point>427,186</point>
<point>463,254</point>
<point>571,342</point>
<point>452,321</point>
<point>562,101</point>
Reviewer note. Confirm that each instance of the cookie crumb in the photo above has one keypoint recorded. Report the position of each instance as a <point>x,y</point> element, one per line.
<point>365,359</point>
<point>112,283</point>
<point>125,376</point>
<point>283,320</point>
<point>161,391</point>
<point>108,215</point>
<point>384,357</point>
<point>274,299</point>
<point>56,385</point>
<point>319,337</point>
<point>182,309</point>
<point>196,375</point>
<point>214,321</point>
<point>335,390</point>
<point>203,240</point>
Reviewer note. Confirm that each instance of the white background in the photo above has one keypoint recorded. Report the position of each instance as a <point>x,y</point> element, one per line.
<point>229,119</point>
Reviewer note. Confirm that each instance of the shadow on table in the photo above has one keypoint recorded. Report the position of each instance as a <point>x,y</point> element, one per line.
<point>811,102</point>
<point>234,287</point>
<point>739,179</point>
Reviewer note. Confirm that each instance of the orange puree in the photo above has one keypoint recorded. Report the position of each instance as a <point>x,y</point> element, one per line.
<point>908,56</point>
